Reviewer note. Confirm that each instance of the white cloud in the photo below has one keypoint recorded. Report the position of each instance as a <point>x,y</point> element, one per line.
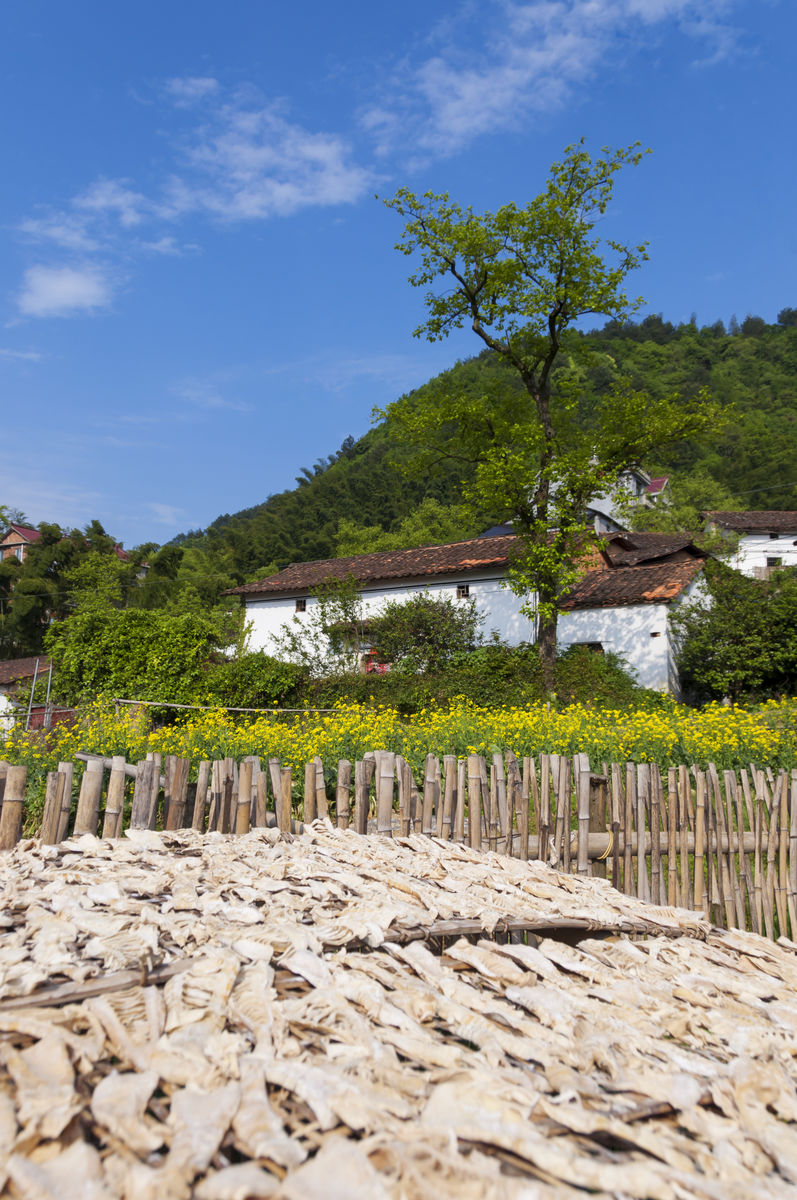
<point>21,355</point>
<point>252,163</point>
<point>63,291</point>
<point>165,514</point>
<point>190,89</point>
<point>65,229</point>
<point>206,396</point>
<point>164,245</point>
<point>113,196</point>
<point>529,58</point>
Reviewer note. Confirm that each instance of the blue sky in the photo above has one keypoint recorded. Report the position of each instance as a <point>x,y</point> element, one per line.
<point>199,294</point>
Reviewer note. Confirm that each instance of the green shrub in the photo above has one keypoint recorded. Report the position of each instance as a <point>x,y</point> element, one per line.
<point>256,680</point>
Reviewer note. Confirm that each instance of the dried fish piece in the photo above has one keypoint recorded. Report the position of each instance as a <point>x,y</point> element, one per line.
<point>340,1171</point>
<point>76,1174</point>
<point>199,1121</point>
<point>119,1103</point>
<point>258,1130</point>
<point>202,990</point>
<point>244,1181</point>
<point>45,1086</point>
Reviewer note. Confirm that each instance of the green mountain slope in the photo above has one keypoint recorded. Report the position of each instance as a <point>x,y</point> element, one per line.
<point>753,370</point>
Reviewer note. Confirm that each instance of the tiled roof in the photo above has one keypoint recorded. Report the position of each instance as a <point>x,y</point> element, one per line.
<point>657,485</point>
<point>655,584</point>
<point>23,531</point>
<point>626,554</point>
<point>455,558</point>
<point>22,668</point>
<point>755,522</point>
<point>629,549</point>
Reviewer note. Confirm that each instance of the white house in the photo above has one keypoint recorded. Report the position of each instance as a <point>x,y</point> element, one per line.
<point>620,604</point>
<point>767,540</point>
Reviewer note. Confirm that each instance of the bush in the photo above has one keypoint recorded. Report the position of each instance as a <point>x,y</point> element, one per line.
<point>256,680</point>
<point>425,632</point>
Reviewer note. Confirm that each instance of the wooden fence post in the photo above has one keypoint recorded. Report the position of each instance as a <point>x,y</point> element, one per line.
<point>88,805</point>
<point>243,810</point>
<point>53,798</point>
<point>11,815</point>
<point>201,797</point>
<point>66,769</point>
<point>385,774</point>
<point>343,794</point>
<point>115,799</point>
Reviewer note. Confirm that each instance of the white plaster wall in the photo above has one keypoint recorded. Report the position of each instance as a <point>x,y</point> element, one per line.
<point>499,607</point>
<point>756,548</point>
<point>626,630</point>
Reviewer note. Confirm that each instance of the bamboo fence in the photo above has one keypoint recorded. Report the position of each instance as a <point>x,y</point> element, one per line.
<point>721,843</point>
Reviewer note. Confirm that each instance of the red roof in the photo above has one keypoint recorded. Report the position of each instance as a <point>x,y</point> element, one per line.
<point>780,521</point>
<point>14,669</point>
<point>657,485</point>
<point>26,532</point>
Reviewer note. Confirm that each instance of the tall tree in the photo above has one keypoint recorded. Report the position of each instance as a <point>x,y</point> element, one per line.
<point>521,277</point>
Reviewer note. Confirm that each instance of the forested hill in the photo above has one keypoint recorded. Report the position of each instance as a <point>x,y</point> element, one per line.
<point>753,460</point>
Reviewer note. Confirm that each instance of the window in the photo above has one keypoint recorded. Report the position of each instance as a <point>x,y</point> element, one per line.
<point>774,562</point>
<point>463,591</point>
<point>773,537</point>
<point>301,605</point>
<point>656,633</point>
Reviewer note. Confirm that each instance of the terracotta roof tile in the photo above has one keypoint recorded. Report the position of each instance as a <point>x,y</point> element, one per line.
<point>647,584</point>
<point>475,554</point>
<point>25,532</point>
<point>14,669</point>
<point>781,521</point>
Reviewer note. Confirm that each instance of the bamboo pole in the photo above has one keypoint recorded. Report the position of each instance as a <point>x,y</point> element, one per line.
<point>177,791</point>
<point>544,825</point>
<point>793,855</point>
<point>309,813</point>
<point>88,805</point>
<point>642,808</point>
<point>430,793</point>
<point>783,854</point>
<point>492,810</point>
<point>459,818</point>
<point>772,841</point>
<point>617,805</point>
<point>742,877</point>
<point>343,794</point>
<point>53,797</point>
<point>67,770</point>
<point>673,898</point>
<point>474,802</point>
<point>630,808</point>
<point>12,812</point>
<point>658,890</point>
<point>321,803</point>
<point>201,796</point>
<point>449,797</point>
<point>758,864</point>
<point>684,797</point>
<point>700,839</point>
<point>504,811</point>
<point>115,799</point>
<point>243,809</point>
<point>261,800</point>
<point>284,800</point>
<point>385,774</point>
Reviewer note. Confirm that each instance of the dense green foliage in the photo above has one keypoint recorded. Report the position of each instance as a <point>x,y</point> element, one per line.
<point>740,639</point>
<point>133,654</point>
<point>493,674</point>
<point>425,632</point>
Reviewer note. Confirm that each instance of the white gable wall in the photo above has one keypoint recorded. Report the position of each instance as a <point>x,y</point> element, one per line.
<point>755,548</point>
<point>499,607</point>
<point>637,632</point>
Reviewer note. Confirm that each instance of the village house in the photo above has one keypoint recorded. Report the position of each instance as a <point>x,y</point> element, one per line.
<point>16,542</point>
<point>620,604</point>
<point>767,540</point>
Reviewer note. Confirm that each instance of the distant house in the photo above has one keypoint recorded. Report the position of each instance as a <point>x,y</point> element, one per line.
<point>767,540</point>
<point>620,603</point>
<point>602,511</point>
<point>16,542</point>
<point>14,672</point>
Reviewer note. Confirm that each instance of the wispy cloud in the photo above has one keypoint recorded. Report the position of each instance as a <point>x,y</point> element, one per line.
<point>529,59</point>
<point>63,291</point>
<point>190,89</point>
<point>21,355</point>
<point>206,396</point>
<point>252,163</point>
<point>165,514</point>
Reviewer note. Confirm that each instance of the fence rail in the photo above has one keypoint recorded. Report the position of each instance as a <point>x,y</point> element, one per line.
<point>724,843</point>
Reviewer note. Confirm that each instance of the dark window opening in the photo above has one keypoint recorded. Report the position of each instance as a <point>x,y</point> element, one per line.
<point>774,562</point>
<point>301,605</point>
<point>463,591</point>
<point>773,537</point>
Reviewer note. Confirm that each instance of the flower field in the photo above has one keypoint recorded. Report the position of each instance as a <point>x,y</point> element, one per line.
<point>668,734</point>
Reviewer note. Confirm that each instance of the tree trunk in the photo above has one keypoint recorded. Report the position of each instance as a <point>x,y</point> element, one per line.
<point>546,648</point>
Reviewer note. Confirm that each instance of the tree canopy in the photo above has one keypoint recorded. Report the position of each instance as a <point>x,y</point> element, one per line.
<point>521,278</point>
